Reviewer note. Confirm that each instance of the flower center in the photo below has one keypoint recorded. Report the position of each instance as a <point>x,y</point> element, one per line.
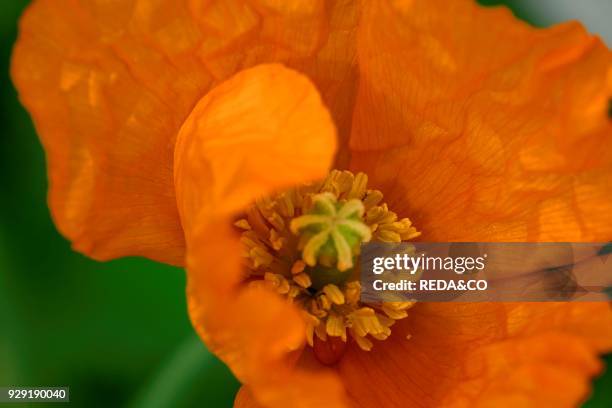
<point>304,244</point>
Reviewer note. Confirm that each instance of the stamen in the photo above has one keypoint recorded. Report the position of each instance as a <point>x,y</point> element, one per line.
<point>298,266</point>
<point>335,326</point>
<point>303,279</point>
<point>243,224</point>
<point>304,244</point>
<point>334,294</point>
<point>324,302</point>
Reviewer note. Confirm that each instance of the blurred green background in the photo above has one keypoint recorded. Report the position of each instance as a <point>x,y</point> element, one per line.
<point>117,333</point>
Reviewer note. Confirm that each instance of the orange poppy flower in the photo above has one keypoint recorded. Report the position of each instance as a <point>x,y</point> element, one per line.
<point>164,121</point>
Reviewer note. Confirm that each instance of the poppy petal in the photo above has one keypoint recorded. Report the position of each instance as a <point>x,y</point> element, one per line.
<point>107,108</point>
<point>109,84</point>
<point>475,354</point>
<point>244,399</point>
<point>261,130</point>
<point>479,127</point>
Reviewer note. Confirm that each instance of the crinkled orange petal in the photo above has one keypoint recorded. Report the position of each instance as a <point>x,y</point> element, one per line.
<point>479,127</point>
<point>108,85</point>
<point>478,355</point>
<point>263,129</point>
<point>465,355</point>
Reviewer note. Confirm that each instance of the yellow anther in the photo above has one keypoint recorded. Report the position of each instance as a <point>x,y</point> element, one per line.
<point>366,322</point>
<point>324,302</point>
<point>298,267</point>
<point>334,294</point>
<point>260,256</point>
<point>276,240</point>
<point>277,282</point>
<point>320,332</point>
<point>372,198</point>
<point>316,310</point>
<point>276,220</point>
<point>303,279</point>
<point>243,224</point>
<point>382,335</point>
<point>249,240</point>
<point>388,236</point>
<point>311,322</point>
<point>345,181</point>
<point>359,186</point>
<point>294,291</point>
<point>396,310</point>
<point>335,326</point>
